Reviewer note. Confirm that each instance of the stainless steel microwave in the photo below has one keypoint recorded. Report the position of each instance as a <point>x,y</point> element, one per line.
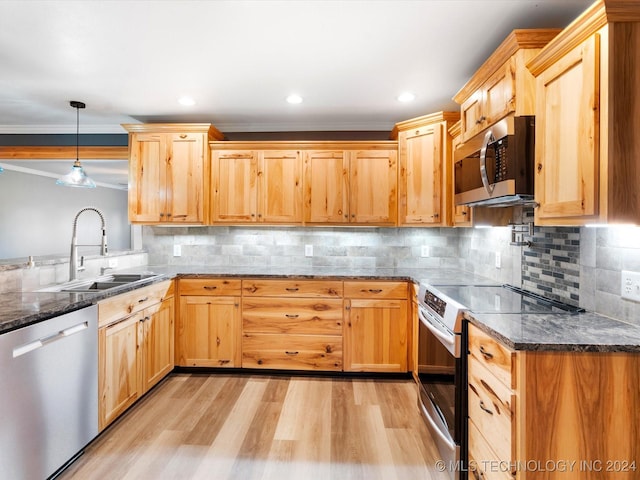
<point>495,168</point>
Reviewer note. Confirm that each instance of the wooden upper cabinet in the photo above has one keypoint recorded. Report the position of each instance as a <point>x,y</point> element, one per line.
<point>462,215</point>
<point>326,178</point>
<point>255,185</point>
<point>234,186</point>
<point>502,85</point>
<point>304,182</point>
<point>425,193</point>
<point>587,119</point>
<point>167,172</point>
<point>280,186</point>
<point>373,181</point>
<point>567,151</point>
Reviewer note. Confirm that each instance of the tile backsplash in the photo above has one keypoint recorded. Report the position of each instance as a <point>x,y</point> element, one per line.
<point>284,246</point>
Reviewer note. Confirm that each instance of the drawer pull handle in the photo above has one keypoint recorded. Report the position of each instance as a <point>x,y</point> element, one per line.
<point>485,409</point>
<point>291,353</point>
<point>210,287</point>
<point>485,353</point>
<point>142,300</point>
<point>292,289</point>
<point>289,315</point>
<point>375,290</point>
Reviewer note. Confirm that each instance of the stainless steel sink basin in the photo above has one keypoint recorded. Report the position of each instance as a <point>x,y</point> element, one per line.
<point>95,286</point>
<point>101,284</point>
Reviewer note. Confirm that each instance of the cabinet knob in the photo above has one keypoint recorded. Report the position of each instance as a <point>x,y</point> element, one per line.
<point>435,215</point>
<point>161,215</point>
<point>183,135</point>
<point>539,167</point>
<point>464,213</point>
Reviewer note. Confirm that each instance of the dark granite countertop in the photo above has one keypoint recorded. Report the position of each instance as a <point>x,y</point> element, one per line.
<point>19,309</point>
<point>576,332</point>
<point>561,332</point>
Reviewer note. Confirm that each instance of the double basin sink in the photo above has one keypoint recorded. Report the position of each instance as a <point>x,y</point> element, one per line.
<point>101,284</point>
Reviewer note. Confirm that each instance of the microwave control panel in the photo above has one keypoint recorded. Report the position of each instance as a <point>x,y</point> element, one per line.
<point>500,149</point>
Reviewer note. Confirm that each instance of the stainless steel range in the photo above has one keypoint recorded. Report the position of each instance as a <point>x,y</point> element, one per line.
<point>442,349</point>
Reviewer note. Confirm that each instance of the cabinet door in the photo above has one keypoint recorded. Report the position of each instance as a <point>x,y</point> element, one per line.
<point>280,187</point>
<point>147,177</point>
<point>462,216</point>
<point>471,120</point>
<point>421,176</point>
<point>326,175</point>
<point>185,178</point>
<point>158,343</point>
<point>119,367</point>
<point>567,136</point>
<point>498,94</point>
<point>373,183</point>
<point>234,186</point>
<point>209,331</point>
<point>375,335</point>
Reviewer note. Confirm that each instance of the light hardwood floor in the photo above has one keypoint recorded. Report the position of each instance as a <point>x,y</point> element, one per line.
<point>244,427</point>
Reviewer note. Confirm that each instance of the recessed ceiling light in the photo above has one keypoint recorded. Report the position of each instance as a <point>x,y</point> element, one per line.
<point>294,98</point>
<point>186,101</point>
<point>406,97</point>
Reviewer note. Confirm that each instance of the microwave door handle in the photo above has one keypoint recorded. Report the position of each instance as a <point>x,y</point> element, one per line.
<point>488,138</point>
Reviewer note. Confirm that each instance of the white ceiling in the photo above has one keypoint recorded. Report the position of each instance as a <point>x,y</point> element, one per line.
<point>130,60</point>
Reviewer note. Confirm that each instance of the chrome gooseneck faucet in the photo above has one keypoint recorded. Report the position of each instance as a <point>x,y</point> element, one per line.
<point>73,261</point>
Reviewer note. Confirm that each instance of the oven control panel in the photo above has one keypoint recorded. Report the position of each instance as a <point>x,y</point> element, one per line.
<point>435,303</point>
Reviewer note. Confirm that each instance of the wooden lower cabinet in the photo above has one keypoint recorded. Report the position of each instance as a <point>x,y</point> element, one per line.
<point>134,354</point>
<point>158,343</point>
<point>209,323</point>
<point>292,324</point>
<point>292,352</point>
<point>119,364</point>
<point>547,415</point>
<point>376,326</point>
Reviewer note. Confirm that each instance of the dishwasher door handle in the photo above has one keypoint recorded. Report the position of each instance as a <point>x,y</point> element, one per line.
<point>42,341</point>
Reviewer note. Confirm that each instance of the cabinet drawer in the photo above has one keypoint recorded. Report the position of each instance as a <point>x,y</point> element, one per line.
<point>497,358</point>
<point>292,352</point>
<point>375,290</point>
<point>487,464</point>
<point>292,315</point>
<point>491,408</point>
<point>210,286</point>
<point>123,305</point>
<point>292,288</point>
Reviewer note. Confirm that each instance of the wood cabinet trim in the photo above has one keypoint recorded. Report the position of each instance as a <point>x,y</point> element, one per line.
<point>212,132</point>
<point>516,40</point>
<point>304,145</point>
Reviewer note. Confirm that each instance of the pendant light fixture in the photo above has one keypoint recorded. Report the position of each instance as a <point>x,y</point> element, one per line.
<point>77,177</point>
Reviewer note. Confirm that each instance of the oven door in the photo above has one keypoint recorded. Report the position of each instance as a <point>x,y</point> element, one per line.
<point>441,379</point>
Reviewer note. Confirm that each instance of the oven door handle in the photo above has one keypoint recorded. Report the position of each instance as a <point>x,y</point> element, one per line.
<point>447,339</point>
<point>436,428</point>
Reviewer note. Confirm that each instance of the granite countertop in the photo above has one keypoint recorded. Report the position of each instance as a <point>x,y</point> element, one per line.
<point>560,332</point>
<point>20,309</point>
<point>568,332</point>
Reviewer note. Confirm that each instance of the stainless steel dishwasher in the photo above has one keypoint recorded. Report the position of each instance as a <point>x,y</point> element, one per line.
<point>48,394</point>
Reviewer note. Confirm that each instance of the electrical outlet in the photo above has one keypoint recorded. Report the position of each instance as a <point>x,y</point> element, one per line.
<point>498,260</point>
<point>113,263</point>
<point>630,286</point>
<point>177,250</point>
<point>308,250</point>
<point>425,251</point>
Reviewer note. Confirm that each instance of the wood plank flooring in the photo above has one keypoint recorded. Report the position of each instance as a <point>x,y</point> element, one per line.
<point>245,427</point>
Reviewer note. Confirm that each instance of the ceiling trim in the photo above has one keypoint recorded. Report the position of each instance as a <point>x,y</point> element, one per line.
<point>64,153</point>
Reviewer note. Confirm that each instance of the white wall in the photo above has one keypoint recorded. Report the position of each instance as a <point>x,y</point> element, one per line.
<point>36,216</point>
